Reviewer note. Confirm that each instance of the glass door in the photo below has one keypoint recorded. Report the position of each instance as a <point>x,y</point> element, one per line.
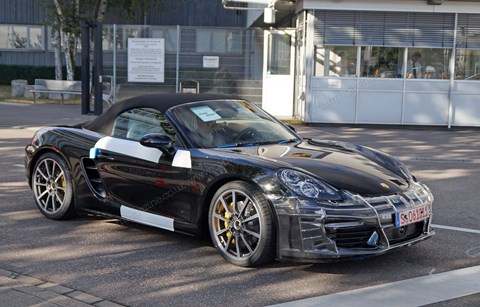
<point>278,72</point>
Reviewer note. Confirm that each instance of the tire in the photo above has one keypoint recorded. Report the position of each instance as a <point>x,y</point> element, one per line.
<point>52,187</point>
<point>241,224</point>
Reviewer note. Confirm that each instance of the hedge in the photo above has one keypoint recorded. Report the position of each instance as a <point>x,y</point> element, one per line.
<point>30,73</point>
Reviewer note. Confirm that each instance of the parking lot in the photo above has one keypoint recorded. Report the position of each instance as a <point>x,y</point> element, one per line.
<point>130,264</point>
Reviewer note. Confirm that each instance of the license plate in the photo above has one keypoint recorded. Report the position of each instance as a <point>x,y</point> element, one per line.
<point>412,216</point>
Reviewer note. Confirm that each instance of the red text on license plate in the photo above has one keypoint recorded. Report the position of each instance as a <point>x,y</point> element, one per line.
<point>411,216</point>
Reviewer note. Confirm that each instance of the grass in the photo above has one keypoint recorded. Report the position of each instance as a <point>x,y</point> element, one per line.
<point>5,90</point>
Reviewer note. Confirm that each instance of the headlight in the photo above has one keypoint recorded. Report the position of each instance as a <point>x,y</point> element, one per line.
<point>307,186</point>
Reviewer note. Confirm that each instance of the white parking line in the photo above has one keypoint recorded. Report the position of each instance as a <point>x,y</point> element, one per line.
<point>456,228</point>
<point>409,292</point>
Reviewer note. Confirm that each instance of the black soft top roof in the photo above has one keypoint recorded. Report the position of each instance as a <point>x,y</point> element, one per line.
<point>162,102</point>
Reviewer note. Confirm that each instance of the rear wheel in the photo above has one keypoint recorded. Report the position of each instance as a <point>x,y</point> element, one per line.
<point>241,224</point>
<point>52,187</point>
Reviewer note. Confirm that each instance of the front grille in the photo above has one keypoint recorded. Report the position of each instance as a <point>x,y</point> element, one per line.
<point>405,233</point>
<point>412,197</point>
<point>355,237</point>
<point>367,225</point>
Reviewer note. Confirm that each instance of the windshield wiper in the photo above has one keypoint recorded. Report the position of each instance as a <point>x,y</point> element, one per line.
<point>237,145</point>
<point>258,143</point>
<point>289,141</point>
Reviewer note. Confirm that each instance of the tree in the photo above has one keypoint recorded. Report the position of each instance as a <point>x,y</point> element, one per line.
<point>65,17</point>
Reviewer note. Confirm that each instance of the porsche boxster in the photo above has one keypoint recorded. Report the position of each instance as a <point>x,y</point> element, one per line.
<point>221,166</point>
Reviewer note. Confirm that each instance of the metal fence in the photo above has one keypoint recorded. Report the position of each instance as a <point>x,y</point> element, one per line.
<point>237,55</point>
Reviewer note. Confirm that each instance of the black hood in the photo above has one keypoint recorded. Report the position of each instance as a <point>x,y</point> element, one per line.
<point>345,166</point>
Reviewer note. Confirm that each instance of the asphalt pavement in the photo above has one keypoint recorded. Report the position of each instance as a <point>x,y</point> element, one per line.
<point>101,262</point>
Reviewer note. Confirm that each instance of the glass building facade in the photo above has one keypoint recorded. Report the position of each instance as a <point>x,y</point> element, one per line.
<point>390,67</point>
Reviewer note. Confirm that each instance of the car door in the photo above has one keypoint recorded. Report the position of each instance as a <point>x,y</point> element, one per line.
<point>138,178</point>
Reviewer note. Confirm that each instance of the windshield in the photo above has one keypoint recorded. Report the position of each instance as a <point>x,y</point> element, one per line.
<point>229,123</point>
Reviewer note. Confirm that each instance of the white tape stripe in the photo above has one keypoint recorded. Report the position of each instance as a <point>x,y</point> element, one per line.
<point>182,159</point>
<point>456,228</point>
<point>129,148</point>
<point>418,291</point>
<point>146,218</point>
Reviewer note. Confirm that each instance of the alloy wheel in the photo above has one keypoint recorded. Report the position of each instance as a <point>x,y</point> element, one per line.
<point>237,224</point>
<point>49,185</point>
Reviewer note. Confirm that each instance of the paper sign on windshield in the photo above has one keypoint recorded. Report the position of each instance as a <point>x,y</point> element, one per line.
<point>205,113</point>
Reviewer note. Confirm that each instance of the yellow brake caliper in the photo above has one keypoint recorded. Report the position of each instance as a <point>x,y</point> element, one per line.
<point>227,216</point>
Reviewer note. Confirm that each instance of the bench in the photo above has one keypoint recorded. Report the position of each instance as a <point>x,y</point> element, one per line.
<point>61,87</point>
<point>64,87</point>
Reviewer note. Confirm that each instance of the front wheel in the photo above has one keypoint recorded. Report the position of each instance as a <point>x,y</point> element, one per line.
<point>241,224</point>
<point>52,187</point>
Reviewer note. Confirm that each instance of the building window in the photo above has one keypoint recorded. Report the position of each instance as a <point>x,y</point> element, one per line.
<point>381,62</point>
<point>21,37</point>
<point>169,35</point>
<point>35,37</point>
<point>428,63</point>
<point>218,41</point>
<point>107,38</point>
<point>124,32</point>
<point>467,64</point>
<point>335,61</point>
<point>279,51</point>
<point>234,41</point>
<point>210,41</point>
<point>389,62</point>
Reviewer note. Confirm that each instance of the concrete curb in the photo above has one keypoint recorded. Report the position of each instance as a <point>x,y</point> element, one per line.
<point>24,290</point>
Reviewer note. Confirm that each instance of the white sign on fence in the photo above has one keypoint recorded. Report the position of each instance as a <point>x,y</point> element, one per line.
<point>211,62</point>
<point>146,60</point>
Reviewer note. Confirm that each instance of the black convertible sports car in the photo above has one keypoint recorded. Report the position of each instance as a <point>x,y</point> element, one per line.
<point>220,165</point>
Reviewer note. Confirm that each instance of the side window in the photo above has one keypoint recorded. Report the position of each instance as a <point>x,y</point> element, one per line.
<point>135,123</point>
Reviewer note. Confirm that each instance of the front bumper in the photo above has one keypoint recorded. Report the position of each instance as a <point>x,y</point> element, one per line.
<point>356,228</point>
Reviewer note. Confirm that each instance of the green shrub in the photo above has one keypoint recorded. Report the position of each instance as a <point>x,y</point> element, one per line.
<point>30,73</point>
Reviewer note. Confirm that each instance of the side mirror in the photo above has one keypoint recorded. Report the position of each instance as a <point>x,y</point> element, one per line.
<point>291,127</point>
<point>160,141</point>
